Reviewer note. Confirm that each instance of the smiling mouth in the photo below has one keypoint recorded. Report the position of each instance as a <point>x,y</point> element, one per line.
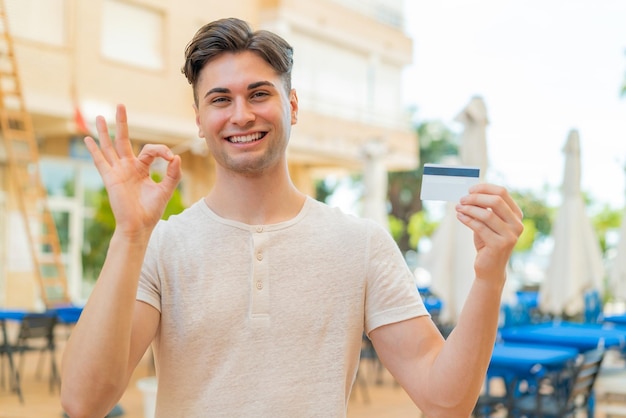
<point>244,139</point>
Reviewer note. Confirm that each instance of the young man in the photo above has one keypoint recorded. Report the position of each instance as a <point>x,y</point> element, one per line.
<point>256,297</point>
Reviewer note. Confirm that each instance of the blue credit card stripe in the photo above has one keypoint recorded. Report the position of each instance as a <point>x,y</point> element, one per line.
<point>451,171</point>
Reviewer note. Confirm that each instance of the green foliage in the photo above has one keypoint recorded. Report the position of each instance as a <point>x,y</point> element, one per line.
<point>605,220</point>
<point>527,239</point>
<point>408,222</point>
<point>535,208</point>
<point>175,204</point>
<point>97,236</point>
<point>539,217</point>
<point>420,225</point>
<point>436,141</point>
<point>396,227</point>
<point>98,232</point>
<point>324,189</point>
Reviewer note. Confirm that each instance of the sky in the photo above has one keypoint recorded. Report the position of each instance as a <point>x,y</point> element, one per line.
<point>543,68</point>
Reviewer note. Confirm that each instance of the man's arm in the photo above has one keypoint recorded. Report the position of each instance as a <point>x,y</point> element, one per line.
<point>444,378</point>
<point>114,330</point>
<point>110,338</point>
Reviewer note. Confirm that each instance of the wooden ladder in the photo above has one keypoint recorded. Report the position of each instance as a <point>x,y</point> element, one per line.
<point>20,144</point>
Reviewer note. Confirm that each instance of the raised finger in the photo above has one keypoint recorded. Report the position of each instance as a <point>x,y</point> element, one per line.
<point>122,140</point>
<point>486,200</point>
<point>489,229</point>
<point>500,219</point>
<point>100,162</point>
<point>496,198</point>
<point>493,213</point>
<point>106,145</point>
<point>508,199</point>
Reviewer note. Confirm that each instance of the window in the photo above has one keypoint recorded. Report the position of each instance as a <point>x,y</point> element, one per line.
<point>339,91</point>
<point>75,190</point>
<point>46,25</point>
<point>132,34</point>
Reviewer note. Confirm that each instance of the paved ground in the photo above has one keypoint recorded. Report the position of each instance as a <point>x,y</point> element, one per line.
<point>375,399</point>
<point>372,401</point>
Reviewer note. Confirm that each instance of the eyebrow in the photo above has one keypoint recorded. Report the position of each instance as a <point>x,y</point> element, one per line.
<point>251,86</point>
<point>260,84</point>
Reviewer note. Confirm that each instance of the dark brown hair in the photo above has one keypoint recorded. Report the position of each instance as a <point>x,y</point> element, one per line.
<point>235,35</point>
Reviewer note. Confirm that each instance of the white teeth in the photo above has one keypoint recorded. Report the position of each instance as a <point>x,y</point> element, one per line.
<point>246,138</point>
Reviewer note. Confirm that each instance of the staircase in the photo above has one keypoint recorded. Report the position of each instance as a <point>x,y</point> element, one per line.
<point>20,146</point>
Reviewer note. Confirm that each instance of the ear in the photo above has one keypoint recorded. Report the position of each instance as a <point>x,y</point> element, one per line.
<point>293,101</point>
<point>200,132</point>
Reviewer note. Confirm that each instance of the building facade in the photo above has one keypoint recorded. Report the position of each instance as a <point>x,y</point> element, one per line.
<point>79,58</point>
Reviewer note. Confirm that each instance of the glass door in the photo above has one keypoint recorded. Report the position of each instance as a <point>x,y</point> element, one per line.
<point>74,192</point>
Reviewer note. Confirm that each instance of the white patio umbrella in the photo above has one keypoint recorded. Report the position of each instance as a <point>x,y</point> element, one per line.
<point>451,259</point>
<point>617,278</point>
<point>575,264</point>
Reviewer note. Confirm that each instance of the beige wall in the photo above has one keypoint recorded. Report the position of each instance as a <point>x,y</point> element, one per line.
<point>333,126</point>
<point>159,101</point>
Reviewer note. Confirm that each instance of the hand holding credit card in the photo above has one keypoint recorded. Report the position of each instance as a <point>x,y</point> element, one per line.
<point>447,182</point>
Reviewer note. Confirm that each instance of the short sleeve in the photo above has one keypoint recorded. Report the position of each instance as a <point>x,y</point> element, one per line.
<point>149,289</point>
<point>391,292</point>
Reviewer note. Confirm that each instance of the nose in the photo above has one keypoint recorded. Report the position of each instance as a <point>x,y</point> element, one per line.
<point>242,112</point>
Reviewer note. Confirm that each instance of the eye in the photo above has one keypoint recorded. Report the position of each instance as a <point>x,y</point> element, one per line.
<point>259,95</point>
<point>220,101</point>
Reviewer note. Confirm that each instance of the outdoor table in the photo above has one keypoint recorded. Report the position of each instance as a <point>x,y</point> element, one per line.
<point>520,359</point>
<point>616,319</point>
<point>516,363</point>
<point>583,337</point>
<point>12,314</point>
<point>6,349</point>
<point>68,314</point>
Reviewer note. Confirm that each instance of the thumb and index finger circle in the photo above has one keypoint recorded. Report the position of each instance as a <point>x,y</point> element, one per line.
<point>150,152</point>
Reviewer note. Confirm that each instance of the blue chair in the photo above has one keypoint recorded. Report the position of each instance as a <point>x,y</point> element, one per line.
<point>36,333</point>
<point>514,315</point>
<point>562,394</point>
<point>593,307</point>
<point>528,298</point>
<point>511,315</point>
<point>487,404</point>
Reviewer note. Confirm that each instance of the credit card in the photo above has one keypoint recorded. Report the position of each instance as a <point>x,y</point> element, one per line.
<point>447,182</point>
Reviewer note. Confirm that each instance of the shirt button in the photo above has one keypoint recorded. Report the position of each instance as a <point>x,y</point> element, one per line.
<point>259,256</point>
<point>259,285</point>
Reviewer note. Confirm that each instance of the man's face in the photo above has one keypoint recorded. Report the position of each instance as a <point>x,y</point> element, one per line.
<point>244,113</point>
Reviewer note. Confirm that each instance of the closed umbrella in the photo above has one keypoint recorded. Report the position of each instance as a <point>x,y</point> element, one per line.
<point>451,259</point>
<point>575,265</point>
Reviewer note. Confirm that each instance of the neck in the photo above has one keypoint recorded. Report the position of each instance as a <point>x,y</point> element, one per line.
<point>263,199</point>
